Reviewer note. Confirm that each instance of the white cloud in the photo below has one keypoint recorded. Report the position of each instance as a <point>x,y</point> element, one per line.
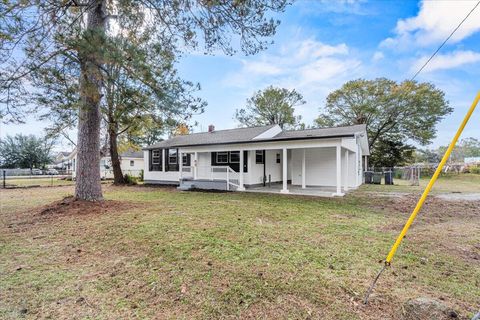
<point>311,67</point>
<point>434,23</point>
<point>447,61</point>
<point>378,55</point>
<point>299,63</point>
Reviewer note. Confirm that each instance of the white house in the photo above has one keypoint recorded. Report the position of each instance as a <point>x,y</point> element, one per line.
<point>131,163</point>
<point>271,159</point>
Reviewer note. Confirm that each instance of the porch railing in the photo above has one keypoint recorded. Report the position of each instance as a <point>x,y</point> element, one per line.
<point>212,173</point>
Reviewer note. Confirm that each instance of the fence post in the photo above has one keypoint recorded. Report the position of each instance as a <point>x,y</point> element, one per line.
<point>4,177</point>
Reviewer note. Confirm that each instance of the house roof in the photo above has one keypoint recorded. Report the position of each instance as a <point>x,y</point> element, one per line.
<point>131,154</point>
<point>245,135</point>
<point>321,132</point>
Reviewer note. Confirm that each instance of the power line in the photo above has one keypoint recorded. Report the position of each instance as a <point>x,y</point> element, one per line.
<point>448,38</point>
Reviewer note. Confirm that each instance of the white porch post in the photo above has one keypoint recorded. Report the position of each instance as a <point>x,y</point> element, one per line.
<point>240,173</point>
<point>180,164</point>
<point>304,185</point>
<point>357,171</point>
<point>284,177</point>
<point>366,164</point>
<point>345,186</point>
<point>163,160</point>
<point>195,164</point>
<point>339,171</point>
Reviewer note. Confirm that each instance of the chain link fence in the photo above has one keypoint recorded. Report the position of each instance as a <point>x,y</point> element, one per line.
<point>26,178</point>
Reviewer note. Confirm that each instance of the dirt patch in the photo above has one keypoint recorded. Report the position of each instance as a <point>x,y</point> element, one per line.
<point>434,208</point>
<point>72,206</point>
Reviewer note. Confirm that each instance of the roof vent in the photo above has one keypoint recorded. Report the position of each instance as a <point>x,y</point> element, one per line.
<point>211,128</point>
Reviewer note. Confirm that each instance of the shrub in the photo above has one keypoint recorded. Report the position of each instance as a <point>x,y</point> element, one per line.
<point>131,180</point>
<point>140,177</point>
<point>475,170</point>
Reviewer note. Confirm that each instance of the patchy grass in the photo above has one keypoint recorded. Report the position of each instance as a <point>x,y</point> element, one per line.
<point>462,183</point>
<point>169,254</point>
<point>43,182</point>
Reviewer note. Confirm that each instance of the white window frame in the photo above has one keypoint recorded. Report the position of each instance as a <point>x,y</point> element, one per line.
<point>185,159</point>
<point>155,156</point>
<point>223,153</point>
<point>230,156</point>
<point>259,152</point>
<point>170,156</point>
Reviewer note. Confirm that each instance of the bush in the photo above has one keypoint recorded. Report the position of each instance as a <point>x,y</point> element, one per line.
<point>131,180</point>
<point>140,177</point>
<point>475,170</point>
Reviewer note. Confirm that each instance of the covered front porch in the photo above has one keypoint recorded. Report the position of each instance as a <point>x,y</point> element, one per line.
<point>295,190</point>
<point>319,168</point>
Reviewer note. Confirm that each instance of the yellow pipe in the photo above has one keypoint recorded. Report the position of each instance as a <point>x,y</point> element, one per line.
<point>432,181</point>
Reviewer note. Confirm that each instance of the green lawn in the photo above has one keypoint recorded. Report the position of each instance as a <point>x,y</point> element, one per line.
<point>160,253</point>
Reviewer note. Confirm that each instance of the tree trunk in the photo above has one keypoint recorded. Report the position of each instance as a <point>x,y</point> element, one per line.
<point>117,169</point>
<point>87,186</point>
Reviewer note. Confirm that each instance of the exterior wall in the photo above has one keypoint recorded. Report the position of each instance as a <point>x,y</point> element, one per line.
<point>320,167</point>
<point>320,163</point>
<point>124,164</point>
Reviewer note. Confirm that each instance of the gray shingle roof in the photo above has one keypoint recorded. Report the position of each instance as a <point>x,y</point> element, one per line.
<point>131,154</point>
<point>240,135</point>
<point>215,137</point>
<point>321,132</point>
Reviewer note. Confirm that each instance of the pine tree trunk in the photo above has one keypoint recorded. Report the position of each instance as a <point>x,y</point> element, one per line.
<point>117,169</point>
<point>87,186</point>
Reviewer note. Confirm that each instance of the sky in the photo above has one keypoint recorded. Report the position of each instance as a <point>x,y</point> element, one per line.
<point>322,44</point>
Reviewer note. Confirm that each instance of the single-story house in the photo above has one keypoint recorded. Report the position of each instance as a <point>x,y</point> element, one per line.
<point>131,162</point>
<point>62,161</point>
<point>261,158</point>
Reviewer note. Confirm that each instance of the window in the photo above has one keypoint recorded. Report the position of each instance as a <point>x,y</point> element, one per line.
<point>278,157</point>
<point>259,157</point>
<point>132,163</point>
<point>222,157</point>
<point>172,156</point>
<point>185,159</point>
<point>102,163</point>
<point>235,157</point>
<point>156,157</point>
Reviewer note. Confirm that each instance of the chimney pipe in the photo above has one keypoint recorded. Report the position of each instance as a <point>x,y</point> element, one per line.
<point>211,128</point>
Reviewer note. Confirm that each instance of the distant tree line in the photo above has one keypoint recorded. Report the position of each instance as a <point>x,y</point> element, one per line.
<point>25,151</point>
<point>468,147</point>
<point>397,115</point>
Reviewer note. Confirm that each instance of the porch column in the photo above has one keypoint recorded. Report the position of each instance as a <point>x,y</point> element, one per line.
<point>163,160</point>
<point>195,164</point>
<point>357,169</point>
<point>366,163</point>
<point>304,185</point>
<point>240,173</point>
<point>285,178</point>
<point>339,171</point>
<point>345,186</point>
<point>180,164</point>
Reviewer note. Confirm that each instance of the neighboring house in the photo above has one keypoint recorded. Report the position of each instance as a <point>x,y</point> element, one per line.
<point>62,161</point>
<point>131,163</point>
<point>316,160</point>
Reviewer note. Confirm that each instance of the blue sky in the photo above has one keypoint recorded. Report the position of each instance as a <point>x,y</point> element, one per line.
<point>322,44</point>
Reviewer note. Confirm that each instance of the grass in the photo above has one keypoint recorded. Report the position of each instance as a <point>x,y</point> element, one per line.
<point>43,182</point>
<point>184,255</point>
<point>463,183</point>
